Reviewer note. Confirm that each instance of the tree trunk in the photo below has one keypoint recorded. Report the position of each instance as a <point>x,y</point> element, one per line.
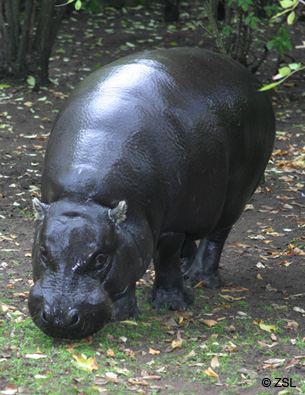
<point>26,38</point>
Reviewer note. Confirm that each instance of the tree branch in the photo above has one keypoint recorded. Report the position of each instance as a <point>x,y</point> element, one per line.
<point>27,27</point>
<point>215,31</point>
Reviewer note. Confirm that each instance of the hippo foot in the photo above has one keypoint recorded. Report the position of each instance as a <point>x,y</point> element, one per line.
<point>174,299</point>
<point>211,280</point>
<point>125,307</point>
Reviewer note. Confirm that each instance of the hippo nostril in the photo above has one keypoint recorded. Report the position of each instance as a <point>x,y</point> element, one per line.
<point>73,318</point>
<point>61,319</point>
<point>44,317</point>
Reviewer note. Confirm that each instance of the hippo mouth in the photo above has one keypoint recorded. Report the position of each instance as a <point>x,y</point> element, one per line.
<point>76,329</point>
<point>60,320</point>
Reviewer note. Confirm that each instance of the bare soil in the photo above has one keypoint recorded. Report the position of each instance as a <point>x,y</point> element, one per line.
<point>264,257</point>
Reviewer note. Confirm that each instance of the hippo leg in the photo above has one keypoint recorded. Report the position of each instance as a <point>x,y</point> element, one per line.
<point>188,254</point>
<point>206,263</point>
<point>169,290</point>
<point>125,307</point>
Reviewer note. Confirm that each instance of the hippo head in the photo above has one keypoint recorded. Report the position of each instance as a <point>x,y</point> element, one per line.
<point>84,260</point>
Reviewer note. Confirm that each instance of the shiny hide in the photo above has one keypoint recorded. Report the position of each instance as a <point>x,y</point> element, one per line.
<point>183,137</point>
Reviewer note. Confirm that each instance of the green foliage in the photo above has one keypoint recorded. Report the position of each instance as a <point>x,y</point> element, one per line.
<point>94,6</point>
<point>280,41</point>
<point>289,7</point>
<point>244,30</point>
<point>283,74</point>
<point>243,4</point>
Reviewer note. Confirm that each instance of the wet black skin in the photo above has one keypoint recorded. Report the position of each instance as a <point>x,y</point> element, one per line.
<point>149,154</point>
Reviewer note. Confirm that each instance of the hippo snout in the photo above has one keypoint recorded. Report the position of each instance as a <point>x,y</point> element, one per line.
<point>69,320</point>
<point>68,317</point>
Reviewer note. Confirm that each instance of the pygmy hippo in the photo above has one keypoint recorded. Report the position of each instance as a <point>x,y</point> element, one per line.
<point>150,153</point>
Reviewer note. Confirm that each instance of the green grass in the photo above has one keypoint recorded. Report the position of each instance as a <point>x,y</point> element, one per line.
<point>130,344</point>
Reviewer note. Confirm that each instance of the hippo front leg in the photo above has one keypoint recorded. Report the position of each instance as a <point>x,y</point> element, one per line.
<point>206,264</point>
<point>125,307</point>
<point>169,290</point>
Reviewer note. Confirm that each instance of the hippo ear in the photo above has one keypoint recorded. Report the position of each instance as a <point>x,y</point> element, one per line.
<point>41,209</point>
<point>118,214</point>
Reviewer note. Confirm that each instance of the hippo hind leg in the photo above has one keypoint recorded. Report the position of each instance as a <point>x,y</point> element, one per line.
<point>188,254</point>
<point>169,290</point>
<point>206,264</point>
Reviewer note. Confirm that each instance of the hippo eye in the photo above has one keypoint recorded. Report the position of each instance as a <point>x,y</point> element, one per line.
<point>100,262</point>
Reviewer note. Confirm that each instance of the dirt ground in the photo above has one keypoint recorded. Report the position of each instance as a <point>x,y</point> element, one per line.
<point>265,251</point>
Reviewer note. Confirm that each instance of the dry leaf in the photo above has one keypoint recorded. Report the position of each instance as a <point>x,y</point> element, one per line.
<point>84,363</point>
<point>200,284</point>
<point>191,354</point>
<point>291,325</point>
<point>242,245</point>
<point>214,362</point>
<point>259,277</point>
<point>299,310</point>
<point>137,381</point>
<point>210,372</point>
<point>35,356</point>
<point>239,288</point>
<point>111,376</point>
<point>152,351</point>
<point>273,362</point>
<point>267,328</point>
<point>230,298</point>
<point>128,322</point>
<point>5,308</point>
<point>110,353</point>
<point>209,323</point>
<point>9,390</point>
<point>177,343</point>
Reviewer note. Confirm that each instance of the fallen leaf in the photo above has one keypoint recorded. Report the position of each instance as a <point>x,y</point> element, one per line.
<point>110,353</point>
<point>210,372</point>
<point>273,363</point>
<point>291,325</point>
<point>152,351</point>
<point>228,348</point>
<point>129,322</point>
<point>35,356</point>
<point>270,288</point>
<point>190,354</point>
<point>208,323</point>
<point>111,376</point>
<point>200,284</point>
<point>138,381</point>
<point>84,363</point>
<point>242,245</point>
<point>177,343</point>
<point>214,362</point>
<point>239,288</point>
<point>230,298</point>
<point>9,390</point>
<point>299,310</point>
<point>40,376</point>
<point>259,277</point>
<point>267,328</point>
